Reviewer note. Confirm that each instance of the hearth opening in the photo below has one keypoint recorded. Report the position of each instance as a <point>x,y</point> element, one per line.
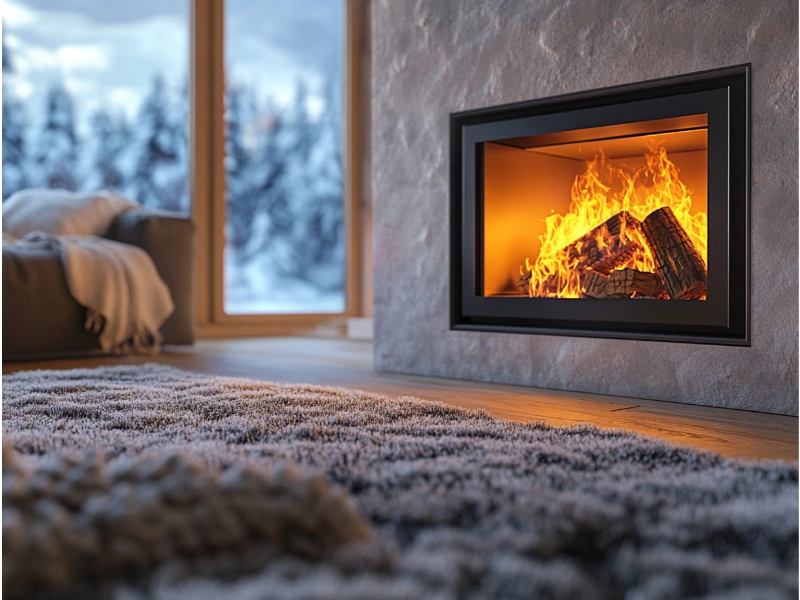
<point>608,212</point>
<point>620,212</point>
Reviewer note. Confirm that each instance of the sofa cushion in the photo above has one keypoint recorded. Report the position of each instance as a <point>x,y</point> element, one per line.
<point>61,212</point>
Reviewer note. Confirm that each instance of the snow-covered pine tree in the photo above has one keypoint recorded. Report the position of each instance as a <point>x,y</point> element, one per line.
<point>109,137</point>
<point>56,155</point>
<point>7,62</point>
<point>293,193</point>
<point>242,197</point>
<point>160,171</point>
<point>322,222</point>
<point>268,168</point>
<point>179,117</point>
<point>14,125</point>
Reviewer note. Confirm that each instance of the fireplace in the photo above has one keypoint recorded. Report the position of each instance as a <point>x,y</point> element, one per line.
<point>620,212</point>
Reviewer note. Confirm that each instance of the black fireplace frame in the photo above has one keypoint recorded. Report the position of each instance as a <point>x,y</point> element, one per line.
<point>724,318</point>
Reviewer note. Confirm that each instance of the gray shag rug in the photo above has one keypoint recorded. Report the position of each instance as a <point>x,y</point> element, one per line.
<point>152,482</point>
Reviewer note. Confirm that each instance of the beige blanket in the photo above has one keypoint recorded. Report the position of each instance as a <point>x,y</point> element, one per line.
<point>126,299</point>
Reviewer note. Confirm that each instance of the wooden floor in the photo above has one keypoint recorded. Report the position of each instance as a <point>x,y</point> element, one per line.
<point>348,363</point>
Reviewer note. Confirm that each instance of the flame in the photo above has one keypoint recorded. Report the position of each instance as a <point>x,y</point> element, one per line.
<point>604,190</point>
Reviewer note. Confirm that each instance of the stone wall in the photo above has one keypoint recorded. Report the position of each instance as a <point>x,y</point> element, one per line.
<point>434,57</point>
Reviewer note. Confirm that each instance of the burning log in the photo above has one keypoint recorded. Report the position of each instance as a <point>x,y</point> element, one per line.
<point>625,282</point>
<point>524,283</point>
<point>595,285</point>
<point>603,249</point>
<point>551,285</point>
<point>599,251</point>
<point>678,264</point>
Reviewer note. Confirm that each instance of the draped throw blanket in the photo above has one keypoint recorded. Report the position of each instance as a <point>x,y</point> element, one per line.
<point>126,299</point>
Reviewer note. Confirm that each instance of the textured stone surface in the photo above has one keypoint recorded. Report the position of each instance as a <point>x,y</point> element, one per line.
<point>431,58</point>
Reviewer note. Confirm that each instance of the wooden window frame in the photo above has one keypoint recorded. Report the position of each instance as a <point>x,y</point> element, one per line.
<point>207,152</point>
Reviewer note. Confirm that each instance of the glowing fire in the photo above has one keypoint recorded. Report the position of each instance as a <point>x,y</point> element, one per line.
<point>606,189</point>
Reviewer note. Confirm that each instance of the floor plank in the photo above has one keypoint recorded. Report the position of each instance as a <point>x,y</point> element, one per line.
<point>347,363</point>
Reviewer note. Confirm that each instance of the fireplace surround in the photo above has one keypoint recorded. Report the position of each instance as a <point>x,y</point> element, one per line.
<point>678,272</point>
<point>432,59</point>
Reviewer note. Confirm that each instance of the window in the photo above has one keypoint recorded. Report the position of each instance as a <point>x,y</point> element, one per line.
<point>284,229</point>
<point>95,96</point>
<point>231,110</point>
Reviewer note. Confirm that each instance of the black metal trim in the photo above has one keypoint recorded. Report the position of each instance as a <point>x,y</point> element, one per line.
<point>722,319</point>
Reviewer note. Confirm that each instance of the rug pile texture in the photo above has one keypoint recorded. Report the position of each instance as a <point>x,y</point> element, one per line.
<point>151,482</point>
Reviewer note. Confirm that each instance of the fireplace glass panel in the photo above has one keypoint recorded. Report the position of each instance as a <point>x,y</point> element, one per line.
<point>617,211</point>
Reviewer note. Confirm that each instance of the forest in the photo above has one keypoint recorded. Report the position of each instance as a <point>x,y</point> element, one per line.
<point>285,227</point>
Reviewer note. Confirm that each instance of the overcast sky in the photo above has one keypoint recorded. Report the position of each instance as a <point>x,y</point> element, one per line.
<point>107,51</point>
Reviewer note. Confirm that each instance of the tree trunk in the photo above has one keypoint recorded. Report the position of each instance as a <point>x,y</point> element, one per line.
<point>678,264</point>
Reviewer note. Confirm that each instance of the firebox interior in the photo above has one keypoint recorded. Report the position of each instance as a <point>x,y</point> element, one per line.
<point>528,179</point>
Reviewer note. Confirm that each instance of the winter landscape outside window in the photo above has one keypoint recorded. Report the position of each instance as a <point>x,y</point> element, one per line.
<point>95,95</point>
<point>284,235</point>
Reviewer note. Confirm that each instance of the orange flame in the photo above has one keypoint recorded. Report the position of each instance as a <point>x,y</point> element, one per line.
<point>603,191</point>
